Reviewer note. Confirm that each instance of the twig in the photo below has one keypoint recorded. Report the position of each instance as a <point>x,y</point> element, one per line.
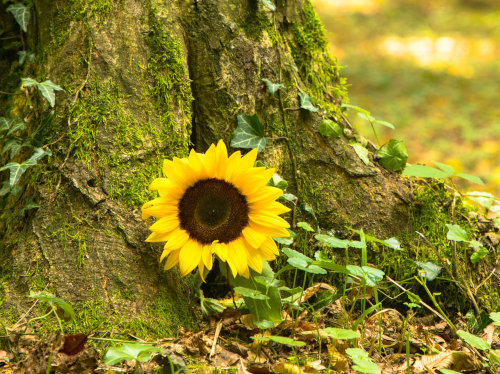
<point>445,265</point>
<point>216,337</point>
<point>420,301</point>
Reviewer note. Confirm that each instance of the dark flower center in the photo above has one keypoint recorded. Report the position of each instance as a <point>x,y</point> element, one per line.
<point>213,209</point>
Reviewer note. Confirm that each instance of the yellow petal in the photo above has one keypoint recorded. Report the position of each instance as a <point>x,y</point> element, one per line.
<point>248,160</point>
<point>221,160</point>
<point>165,224</point>
<point>253,237</point>
<point>207,256</point>
<point>158,237</point>
<point>265,196</point>
<point>172,260</point>
<point>254,259</point>
<point>220,249</point>
<point>210,161</point>
<point>190,256</point>
<point>270,249</point>
<point>177,239</point>
<point>237,258</point>
<point>270,220</point>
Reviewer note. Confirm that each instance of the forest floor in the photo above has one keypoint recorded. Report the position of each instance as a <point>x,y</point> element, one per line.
<point>431,68</point>
<point>335,338</point>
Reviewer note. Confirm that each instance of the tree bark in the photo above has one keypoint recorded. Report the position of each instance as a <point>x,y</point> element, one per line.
<point>148,80</point>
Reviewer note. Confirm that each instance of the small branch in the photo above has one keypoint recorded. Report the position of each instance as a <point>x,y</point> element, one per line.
<point>11,93</point>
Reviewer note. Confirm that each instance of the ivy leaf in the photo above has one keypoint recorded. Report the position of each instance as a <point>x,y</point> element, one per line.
<point>272,87</point>
<point>393,243</point>
<point>423,171</point>
<point>47,89</point>
<point>393,155</point>
<point>429,269</point>
<point>473,340</point>
<point>28,82</point>
<point>456,233</point>
<point>292,253</point>
<point>277,181</point>
<point>478,255</point>
<point>471,178</point>
<point>249,133</point>
<point>21,14</point>
<point>5,189</point>
<point>305,102</point>
<point>12,144</point>
<point>371,275</point>
<point>269,4</point>
<point>361,151</point>
<point>5,123</point>
<point>28,205</point>
<point>130,351</point>
<point>16,127</point>
<point>17,170</point>
<point>329,128</point>
<point>287,341</point>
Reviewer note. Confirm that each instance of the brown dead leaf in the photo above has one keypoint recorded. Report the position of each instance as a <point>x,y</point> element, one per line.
<point>286,368</point>
<point>453,360</point>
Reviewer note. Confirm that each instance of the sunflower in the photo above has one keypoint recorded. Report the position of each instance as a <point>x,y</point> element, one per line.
<point>211,204</point>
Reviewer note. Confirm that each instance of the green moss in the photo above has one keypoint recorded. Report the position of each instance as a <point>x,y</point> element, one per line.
<point>309,48</point>
<point>256,23</point>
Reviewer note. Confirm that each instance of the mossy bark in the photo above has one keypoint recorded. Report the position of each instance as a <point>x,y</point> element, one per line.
<point>145,81</point>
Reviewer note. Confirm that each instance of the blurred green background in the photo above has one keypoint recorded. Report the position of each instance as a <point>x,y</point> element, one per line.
<point>431,68</point>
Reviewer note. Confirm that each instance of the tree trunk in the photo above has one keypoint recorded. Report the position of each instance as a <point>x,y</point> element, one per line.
<point>147,80</point>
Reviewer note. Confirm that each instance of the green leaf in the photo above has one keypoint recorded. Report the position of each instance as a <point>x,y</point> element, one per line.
<point>289,197</point>
<point>272,87</point>
<point>284,241</point>
<point>292,253</point>
<point>361,151</point>
<point>54,301</point>
<point>449,371</point>
<point>478,255</point>
<point>28,82</point>
<point>287,341</point>
<point>485,199</point>
<point>495,316</point>
<point>341,334</point>
<point>13,145</point>
<point>473,340</point>
<point>429,269</point>
<point>269,309</point>
<point>329,128</point>
<point>28,205</point>
<point>393,155</point>
<point>21,14</point>
<point>366,117</point>
<point>494,356</point>
<point>305,226</point>
<point>6,123</point>
<point>130,351</point>
<point>331,241</point>
<point>305,102</point>
<point>456,233</point>
<point>362,362</point>
<point>470,178</point>
<point>446,168</point>
<point>269,4</point>
<point>371,275</point>
<point>277,181</point>
<point>423,171</point>
<point>250,293</point>
<point>18,126</point>
<point>5,189</point>
<point>264,324</point>
<point>385,123</point>
<point>249,133</point>
<point>47,89</point>
<point>356,108</point>
<point>17,170</point>
<point>393,243</point>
